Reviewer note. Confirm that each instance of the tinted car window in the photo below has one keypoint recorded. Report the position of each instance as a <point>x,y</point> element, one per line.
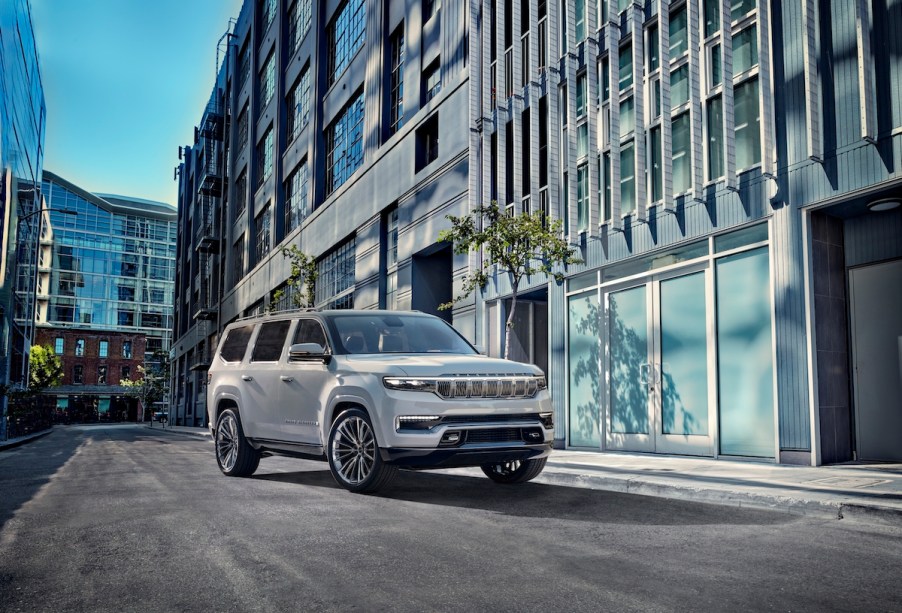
<point>309,331</point>
<point>398,334</point>
<point>269,342</point>
<point>235,343</point>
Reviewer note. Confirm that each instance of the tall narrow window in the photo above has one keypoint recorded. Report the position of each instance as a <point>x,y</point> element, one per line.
<point>238,260</point>
<point>712,16</point>
<point>242,128</point>
<point>79,347</point>
<point>263,226</point>
<point>345,34</point>
<point>335,283</point>
<point>244,64</point>
<point>104,349</point>
<point>628,177</point>
<point>679,32</point>
<point>432,81</point>
<point>58,346</point>
<point>427,142</point>
<point>127,349</point>
<point>391,258</point>
<point>265,157</point>
<point>78,373</point>
<point>240,194</point>
<point>267,14</point>
<point>657,187</point>
<point>344,144</point>
<point>299,105</point>
<point>101,375</point>
<point>396,70</point>
<point>582,196</point>
<point>267,81</point>
<point>653,52</point>
<point>299,22</point>
<point>748,129</point>
<point>682,163</point>
<point>625,68</point>
<point>715,138</point>
<point>580,14</point>
<point>296,197</point>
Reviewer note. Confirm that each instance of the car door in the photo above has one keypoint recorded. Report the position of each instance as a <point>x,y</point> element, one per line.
<point>261,382</point>
<point>304,388</point>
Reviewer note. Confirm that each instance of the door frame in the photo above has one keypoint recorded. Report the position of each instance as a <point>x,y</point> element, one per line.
<point>655,440</point>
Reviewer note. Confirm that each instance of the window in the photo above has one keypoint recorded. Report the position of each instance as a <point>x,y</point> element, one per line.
<point>745,50</point>
<point>432,81</point>
<point>391,258</point>
<point>344,144</point>
<point>625,67</point>
<point>715,138</point>
<point>657,187</point>
<point>267,81</point>
<point>679,86</point>
<point>296,190</point>
<point>336,277</point>
<point>582,196</point>
<point>58,346</point>
<point>126,373</point>
<point>715,66</point>
<point>80,347</point>
<point>262,224</point>
<point>604,185</point>
<point>104,349</point>
<point>682,162</point>
<point>679,32</point>
<point>127,349</point>
<point>101,375</point>
<point>264,157</point>
<point>240,194</point>
<point>299,22</point>
<point>712,16</point>
<point>346,34</point>
<point>267,14</point>
<point>299,105</point>
<point>627,116</point>
<point>748,132</point>
<point>580,15</point>
<point>235,344</point>
<point>242,128</point>
<point>427,142</point>
<point>238,260</point>
<point>270,341</point>
<point>244,65</point>
<point>581,94</point>
<point>543,141</point>
<point>78,374</point>
<point>396,77</point>
<point>627,177</point>
<point>310,331</point>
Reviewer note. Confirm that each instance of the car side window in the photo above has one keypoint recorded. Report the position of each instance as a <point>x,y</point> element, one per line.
<point>310,331</point>
<point>270,340</point>
<point>236,343</point>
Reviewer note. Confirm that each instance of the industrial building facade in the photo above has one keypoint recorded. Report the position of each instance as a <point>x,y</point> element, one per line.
<point>729,171</point>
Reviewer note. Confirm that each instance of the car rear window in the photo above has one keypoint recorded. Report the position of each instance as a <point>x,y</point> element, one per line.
<point>269,343</point>
<point>235,344</point>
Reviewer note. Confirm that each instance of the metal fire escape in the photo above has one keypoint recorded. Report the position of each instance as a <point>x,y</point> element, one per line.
<point>207,240</point>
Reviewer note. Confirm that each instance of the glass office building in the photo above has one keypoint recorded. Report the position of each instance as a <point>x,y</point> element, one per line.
<point>106,269</point>
<point>22,123</point>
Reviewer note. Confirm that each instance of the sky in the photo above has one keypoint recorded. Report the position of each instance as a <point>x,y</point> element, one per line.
<point>125,82</point>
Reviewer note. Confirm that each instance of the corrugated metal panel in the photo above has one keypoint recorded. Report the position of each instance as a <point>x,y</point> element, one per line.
<point>873,238</point>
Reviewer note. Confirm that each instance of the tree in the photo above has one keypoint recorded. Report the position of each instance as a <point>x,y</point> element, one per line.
<point>303,275</point>
<point>153,385</point>
<point>520,245</point>
<point>46,368</point>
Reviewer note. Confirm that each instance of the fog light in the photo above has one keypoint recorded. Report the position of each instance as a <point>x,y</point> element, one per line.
<point>450,438</point>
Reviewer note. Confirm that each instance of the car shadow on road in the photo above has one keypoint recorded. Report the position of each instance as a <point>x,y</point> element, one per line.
<point>544,501</point>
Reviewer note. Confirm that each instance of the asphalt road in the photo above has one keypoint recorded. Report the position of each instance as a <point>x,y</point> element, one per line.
<point>123,518</point>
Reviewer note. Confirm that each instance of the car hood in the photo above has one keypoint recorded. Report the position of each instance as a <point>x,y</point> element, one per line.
<point>439,364</point>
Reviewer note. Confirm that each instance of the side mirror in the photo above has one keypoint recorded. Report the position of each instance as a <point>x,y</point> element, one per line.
<point>304,352</point>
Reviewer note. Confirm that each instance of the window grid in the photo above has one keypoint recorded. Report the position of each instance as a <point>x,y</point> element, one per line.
<point>267,81</point>
<point>265,157</point>
<point>299,19</point>
<point>264,234</point>
<point>396,102</point>
<point>296,197</point>
<point>299,105</point>
<point>336,270</point>
<point>344,144</point>
<point>345,35</point>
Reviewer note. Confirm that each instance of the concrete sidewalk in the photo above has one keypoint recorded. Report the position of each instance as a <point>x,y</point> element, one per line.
<point>871,492</point>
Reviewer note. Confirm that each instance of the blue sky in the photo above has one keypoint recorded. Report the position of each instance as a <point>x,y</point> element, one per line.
<point>125,82</point>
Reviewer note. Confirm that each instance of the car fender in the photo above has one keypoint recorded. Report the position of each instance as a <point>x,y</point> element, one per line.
<point>345,395</point>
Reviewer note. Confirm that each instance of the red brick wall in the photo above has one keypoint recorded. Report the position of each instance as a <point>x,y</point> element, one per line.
<point>91,359</point>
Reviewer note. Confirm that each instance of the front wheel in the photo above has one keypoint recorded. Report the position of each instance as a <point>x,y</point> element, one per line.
<point>354,454</point>
<point>516,471</point>
<point>235,456</point>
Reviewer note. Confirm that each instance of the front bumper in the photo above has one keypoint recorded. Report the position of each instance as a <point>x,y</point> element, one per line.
<point>462,456</point>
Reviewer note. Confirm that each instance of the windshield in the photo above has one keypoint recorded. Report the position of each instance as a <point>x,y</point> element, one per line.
<point>390,333</point>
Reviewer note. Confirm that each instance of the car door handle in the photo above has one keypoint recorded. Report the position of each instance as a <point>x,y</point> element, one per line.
<point>246,378</point>
<point>286,379</point>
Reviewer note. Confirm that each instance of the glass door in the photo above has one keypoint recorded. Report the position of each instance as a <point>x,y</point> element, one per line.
<point>659,363</point>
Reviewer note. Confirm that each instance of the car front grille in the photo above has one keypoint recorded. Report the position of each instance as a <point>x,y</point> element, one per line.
<point>518,386</point>
<point>495,435</point>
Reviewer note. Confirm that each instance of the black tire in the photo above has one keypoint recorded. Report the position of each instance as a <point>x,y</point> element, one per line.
<point>353,454</point>
<point>235,456</point>
<point>516,471</point>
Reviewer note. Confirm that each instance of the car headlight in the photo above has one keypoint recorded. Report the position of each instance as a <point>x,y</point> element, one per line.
<point>409,384</point>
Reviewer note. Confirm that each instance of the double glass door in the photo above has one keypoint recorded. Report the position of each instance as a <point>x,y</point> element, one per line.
<point>660,364</point>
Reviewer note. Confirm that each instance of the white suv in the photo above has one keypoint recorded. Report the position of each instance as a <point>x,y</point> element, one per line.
<point>372,392</point>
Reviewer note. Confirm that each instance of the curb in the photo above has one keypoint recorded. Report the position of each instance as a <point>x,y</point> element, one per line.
<point>24,439</point>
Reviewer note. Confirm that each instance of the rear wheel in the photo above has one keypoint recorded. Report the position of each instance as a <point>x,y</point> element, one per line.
<point>235,456</point>
<point>515,471</point>
<point>354,454</point>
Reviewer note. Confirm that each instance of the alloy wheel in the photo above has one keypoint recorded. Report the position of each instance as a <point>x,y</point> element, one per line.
<point>354,450</point>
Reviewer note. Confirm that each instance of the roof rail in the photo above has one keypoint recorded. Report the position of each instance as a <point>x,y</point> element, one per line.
<point>277,313</point>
